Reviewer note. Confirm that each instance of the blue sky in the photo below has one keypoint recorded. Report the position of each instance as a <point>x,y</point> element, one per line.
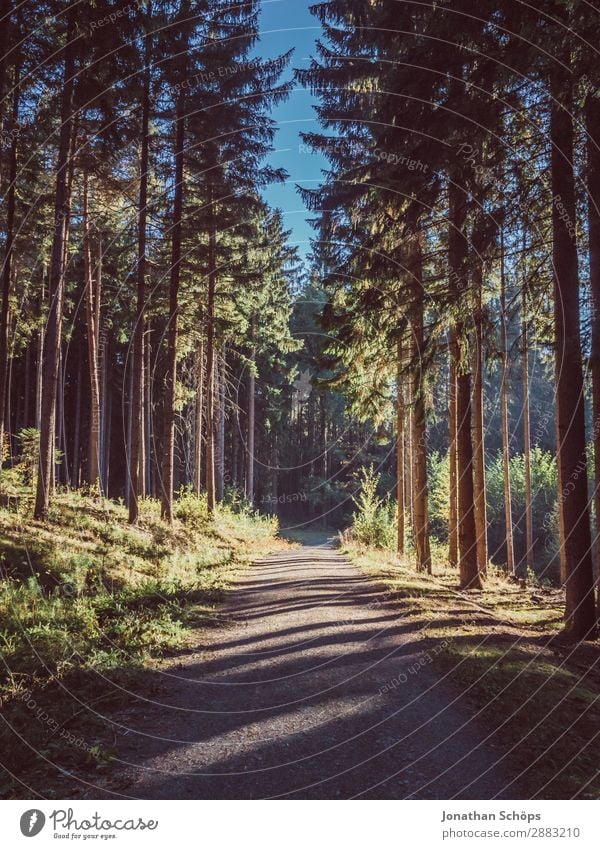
<point>288,24</point>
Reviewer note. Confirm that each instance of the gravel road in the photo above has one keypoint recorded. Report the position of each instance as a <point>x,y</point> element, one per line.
<point>313,688</point>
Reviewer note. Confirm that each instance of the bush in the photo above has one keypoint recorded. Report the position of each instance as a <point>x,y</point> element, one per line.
<point>439,495</point>
<point>544,487</point>
<point>192,509</point>
<point>374,522</point>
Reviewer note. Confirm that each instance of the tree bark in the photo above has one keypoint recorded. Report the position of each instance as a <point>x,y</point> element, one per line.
<point>529,558</point>
<point>510,551</point>
<point>56,280</point>
<point>171,378</point>
<point>478,427</point>
<point>409,465</point>
<point>92,298</point>
<point>137,459</point>
<point>401,533</point>
<point>220,440</point>
<point>251,425</point>
<point>470,577</point>
<point>571,447</point>
<point>453,493</point>
<point>210,360</point>
<point>421,495</point>
<point>199,420</point>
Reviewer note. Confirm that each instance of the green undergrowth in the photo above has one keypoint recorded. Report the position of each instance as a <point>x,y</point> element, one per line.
<point>88,602</point>
<point>86,589</point>
<point>538,697</point>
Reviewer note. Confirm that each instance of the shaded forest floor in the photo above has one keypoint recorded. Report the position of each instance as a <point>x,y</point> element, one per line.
<point>292,696</point>
<point>499,646</point>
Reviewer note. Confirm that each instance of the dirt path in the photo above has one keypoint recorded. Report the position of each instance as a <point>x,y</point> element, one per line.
<point>292,699</point>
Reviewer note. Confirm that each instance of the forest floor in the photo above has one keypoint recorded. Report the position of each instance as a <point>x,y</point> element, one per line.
<point>89,603</point>
<point>342,675</point>
<point>321,682</point>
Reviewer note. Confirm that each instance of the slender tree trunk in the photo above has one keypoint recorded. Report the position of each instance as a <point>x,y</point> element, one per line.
<point>58,422</point>
<point>171,379</point>
<point>56,280</point>
<point>39,360</point>
<point>107,410</point>
<point>400,451</point>
<point>529,559</point>
<point>478,427</point>
<point>92,297</point>
<point>410,464</point>
<point>77,432</point>
<point>220,434</point>
<point>467,538</point>
<point>592,117</point>
<point>27,390</point>
<point>136,459</point>
<point>421,495</point>
<point>210,360</point>
<point>9,388</point>
<point>128,390</point>
<point>510,551</point>
<point>8,252</point>
<point>199,420</point>
<point>453,494</point>
<point>251,408</point>
<point>571,448</point>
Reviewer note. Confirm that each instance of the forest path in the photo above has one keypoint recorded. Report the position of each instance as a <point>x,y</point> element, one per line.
<point>294,698</point>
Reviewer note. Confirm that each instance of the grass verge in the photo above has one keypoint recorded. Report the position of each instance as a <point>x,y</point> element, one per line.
<point>539,698</point>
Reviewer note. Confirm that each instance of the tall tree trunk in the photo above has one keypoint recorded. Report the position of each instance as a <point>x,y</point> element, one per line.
<point>453,493</point>
<point>529,559</point>
<point>592,118</point>
<point>77,432</point>
<point>136,459</point>
<point>40,359</point>
<point>478,426</point>
<point>410,460</point>
<point>128,391</point>
<point>401,533</point>
<point>470,577</point>
<point>61,466</point>
<point>421,495</point>
<point>27,389</point>
<point>92,297</point>
<point>510,551</point>
<point>220,435</point>
<point>571,447</point>
<point>149,438</point>
<point>8,253</point>
<point>56,279</point>
<point>199,420</point>
<point>210,359</point>
<point>107,412</point>
<point>251,425</point>
<point>171,378</point>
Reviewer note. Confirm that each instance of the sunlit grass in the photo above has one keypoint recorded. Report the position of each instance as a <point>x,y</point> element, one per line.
<point>496,647</point>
